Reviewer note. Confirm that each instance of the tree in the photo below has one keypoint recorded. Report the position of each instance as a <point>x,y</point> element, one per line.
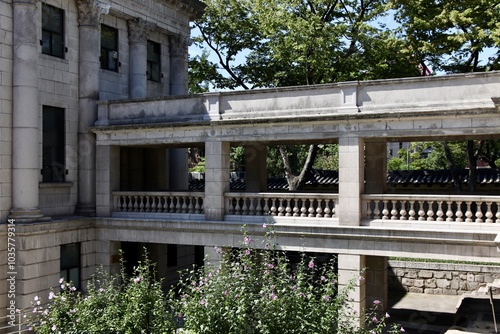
<point>276,43</point>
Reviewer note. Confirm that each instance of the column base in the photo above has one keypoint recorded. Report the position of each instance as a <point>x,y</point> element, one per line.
<point>85,210</point>
<point>27,215</point>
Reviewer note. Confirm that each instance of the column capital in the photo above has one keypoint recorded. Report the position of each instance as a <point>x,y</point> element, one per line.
<point>90,11</point>
<point>179,45</point>
<point>139,29</point>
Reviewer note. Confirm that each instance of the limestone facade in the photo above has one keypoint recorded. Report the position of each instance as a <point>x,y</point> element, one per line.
<point>123,178</point>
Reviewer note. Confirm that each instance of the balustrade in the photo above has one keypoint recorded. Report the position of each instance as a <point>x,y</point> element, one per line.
<point>450,208</point>
<point>282,204</point>
<point>161,202</point>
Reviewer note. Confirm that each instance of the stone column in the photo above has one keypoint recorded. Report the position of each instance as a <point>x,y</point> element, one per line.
<point>351,180</point>
<point>138,30</point>
<point>376,167</point>
<point>178,169</point>
<point>89,13</point>
<point>216,178</point>
<point>350,274</point>
<point>376,280</point>
<point>255,168</point>
<point>108,178</point>
<point>25,114</point>
<point>178,64</point>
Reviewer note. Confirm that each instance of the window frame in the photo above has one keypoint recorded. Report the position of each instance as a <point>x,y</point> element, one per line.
<point>109,52</point>
<point>48,48</point>
<point>53,144</point>
<point>74,265</point>
<point>153,75</point>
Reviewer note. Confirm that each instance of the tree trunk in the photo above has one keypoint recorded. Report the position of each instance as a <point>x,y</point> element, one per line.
<point>453,171</point>
<point>296,182</point>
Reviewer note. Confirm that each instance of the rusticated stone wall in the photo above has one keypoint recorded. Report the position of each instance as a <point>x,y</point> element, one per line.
<point>439,278</point>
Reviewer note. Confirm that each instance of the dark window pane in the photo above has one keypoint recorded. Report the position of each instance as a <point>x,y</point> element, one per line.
<point>52,31</point>
<point>53,144</point>
<point>109,48</point>
<point>154,57</point>
<point>70,263</point>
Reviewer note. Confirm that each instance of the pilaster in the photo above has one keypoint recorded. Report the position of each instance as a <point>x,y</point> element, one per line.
<point>351,276</point>
<point>216,178</point>
<point>108,178</point>
<point>351,180</point>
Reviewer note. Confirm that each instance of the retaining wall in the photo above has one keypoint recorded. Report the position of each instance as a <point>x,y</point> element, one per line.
<point>439,278</point>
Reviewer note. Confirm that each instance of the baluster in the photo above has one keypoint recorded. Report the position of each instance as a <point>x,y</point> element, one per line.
<point>376,211</point>
<point>136,204</point>
<point>237,208</point>
<point>251,208</point>
<point>130,204</point>
<point>385,211</point>
<point>288,208</point>
<point>412,212</point>
<point>489,214</point>
<point>172,204</point>
<point>449,211</point>
<point>468,212</point>
<point>147,203</point>
<point>394,211</point>
<point>402,212</point>
<point>244,207</point>
<point>303,208</point>
<point>319,209</point>
<point>197,207</point>
<point>459,214</point>
<point>311,208</point>
<point>328,211</point>
<point>497,215</point>
<point>116,203</point>
<point>421,211</point>
<point>440,212</point>
<point>297,207</point>
<point>265,209</point>
<point>274,210</point>
<point>281,209</point>
<point>479,213</point>
<point>258,208</point>
<point>430,211</point>
<point>141,203</point>
<point>190,204</point>
<point>164,204</point>
<point>184,204</point>
<point>335,207</point>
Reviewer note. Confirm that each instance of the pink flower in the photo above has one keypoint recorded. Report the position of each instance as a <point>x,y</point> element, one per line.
<point>326,298</point>
<point>323,278</point>
<point>248,240</point>
<point>273,296</point>
<point>402,330</point>
<point>202,302</point>
<point>270,266</point>
<point>137,279</point>
<point>376,302</point>
<point>387,315</point>
<point>294,287</point>
<point>247,252</point>
<point>264,225</point>
<point>311,264</point>
<point>61,280</point>
<point>374,319</point>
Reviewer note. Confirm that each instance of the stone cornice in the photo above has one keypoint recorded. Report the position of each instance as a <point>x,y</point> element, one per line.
<point>194,8</point>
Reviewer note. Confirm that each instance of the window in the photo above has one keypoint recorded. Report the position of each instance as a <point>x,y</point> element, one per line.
<point>53,144</point>
<point>154,61</point>
<point>52,31</point>
<point>109,48</point>
<point>70,263</point>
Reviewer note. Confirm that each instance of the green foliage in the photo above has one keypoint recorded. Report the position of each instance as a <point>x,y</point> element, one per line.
<point>258,291</point>
<point>113,304</point>
<point>451,34</point>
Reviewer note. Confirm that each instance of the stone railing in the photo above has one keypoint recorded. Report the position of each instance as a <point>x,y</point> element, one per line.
<point>282,204</point>
<point>450,208</point>
<point>162,202</point>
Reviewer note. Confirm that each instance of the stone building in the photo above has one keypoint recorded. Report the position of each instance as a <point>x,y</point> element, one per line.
<point>95,127</point>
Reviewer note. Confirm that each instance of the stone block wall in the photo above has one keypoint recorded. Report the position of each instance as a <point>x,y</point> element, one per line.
<point>5,109</point>
<point>439,278</point>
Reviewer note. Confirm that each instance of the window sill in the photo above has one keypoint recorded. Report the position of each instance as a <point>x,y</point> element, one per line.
<point>55,184</point>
